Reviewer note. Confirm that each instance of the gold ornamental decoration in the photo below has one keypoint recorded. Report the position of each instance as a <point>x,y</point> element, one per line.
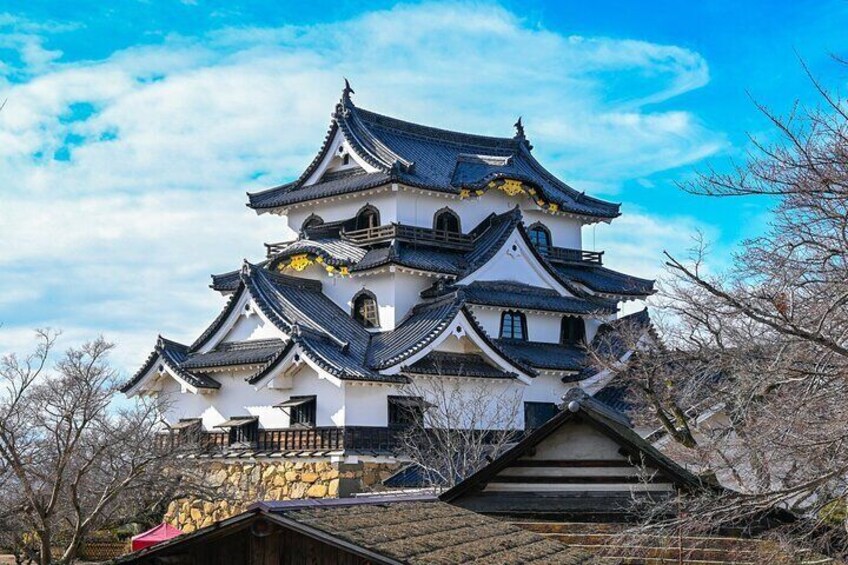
<point>512,187</point>
<point>300,262</point>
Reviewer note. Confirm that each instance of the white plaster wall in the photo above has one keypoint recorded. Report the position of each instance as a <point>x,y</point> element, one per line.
<point>368,405</point>
<point>578,441</point>
<point>546,388</point>
<point>251,327</point>
<point>418,208</point>
<point>344,209</point>
<point>238,398</point>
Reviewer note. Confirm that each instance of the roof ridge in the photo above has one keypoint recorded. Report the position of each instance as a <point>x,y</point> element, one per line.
<point>433,133</point>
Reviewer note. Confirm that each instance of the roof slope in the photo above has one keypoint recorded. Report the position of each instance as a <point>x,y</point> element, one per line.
<point>603,280</point>
<point>419,532</point>
<point>427,157</point>
<point>172,355</point>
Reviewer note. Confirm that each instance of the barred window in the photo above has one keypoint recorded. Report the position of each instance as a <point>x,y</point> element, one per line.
<point>513,325</point>
<point>572,331</point>
<point>303,414</point>
<point>365,310</point>
<point>540,237</point>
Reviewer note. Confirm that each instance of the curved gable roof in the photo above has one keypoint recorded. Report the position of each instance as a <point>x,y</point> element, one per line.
<point>427,157</point>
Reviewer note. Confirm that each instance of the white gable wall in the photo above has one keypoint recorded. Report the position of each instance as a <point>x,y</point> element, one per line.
<point>236,397</point>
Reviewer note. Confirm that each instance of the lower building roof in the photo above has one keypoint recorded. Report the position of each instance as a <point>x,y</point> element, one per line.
<point>424,531</point>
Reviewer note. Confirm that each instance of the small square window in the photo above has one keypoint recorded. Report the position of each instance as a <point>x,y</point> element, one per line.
<point>301,410</point>
<point>537,413</point>
<point>405,411</point>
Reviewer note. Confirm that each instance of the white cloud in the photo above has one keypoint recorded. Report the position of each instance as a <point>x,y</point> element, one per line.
<point>122,181</point>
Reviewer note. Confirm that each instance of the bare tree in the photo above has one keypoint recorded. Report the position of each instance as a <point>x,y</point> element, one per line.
<point>751,379</point>
<point>71,460</point>
<point>452,430</point>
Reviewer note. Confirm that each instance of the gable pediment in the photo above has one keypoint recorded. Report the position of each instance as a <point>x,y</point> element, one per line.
<point>516,262</point>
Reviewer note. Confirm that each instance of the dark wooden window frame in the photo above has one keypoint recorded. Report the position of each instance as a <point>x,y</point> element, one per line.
<point>362,316</point>
<point>512,320</point>
<point>537,413</point>
<point>572,330</point>
<point>314,220</point>
<point>540,228</point>
<point>372,212</point>
<point>405,411</point>
<point>447,213</point>
<point>303,415</point>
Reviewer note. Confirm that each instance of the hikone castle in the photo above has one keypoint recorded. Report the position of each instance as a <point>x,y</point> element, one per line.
<point>421,254</point>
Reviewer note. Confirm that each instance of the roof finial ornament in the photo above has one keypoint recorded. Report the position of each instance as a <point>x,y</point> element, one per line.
<point>347,91</point>
<point>519,133</point>
<point>519,129</point>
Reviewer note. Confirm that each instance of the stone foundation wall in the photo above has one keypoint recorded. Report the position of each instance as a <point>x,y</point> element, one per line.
<point>237,484</point>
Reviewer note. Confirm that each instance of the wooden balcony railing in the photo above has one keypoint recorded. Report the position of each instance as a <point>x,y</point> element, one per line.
<point>410,234</point>
<point>272,249</point>
<point>566,255</point>
<point>363,438</point>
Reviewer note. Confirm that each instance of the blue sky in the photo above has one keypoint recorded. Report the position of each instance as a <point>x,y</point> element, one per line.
<point>132,130</point>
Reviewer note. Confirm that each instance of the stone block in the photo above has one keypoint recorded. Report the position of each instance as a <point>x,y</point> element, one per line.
<point>317,490</point>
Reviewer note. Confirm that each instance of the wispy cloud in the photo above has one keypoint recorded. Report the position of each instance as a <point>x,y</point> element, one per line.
<point>123,179</point>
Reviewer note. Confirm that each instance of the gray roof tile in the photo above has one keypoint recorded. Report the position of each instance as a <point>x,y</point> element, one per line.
<point>251,352</point>
<point>541,355</point>
<point>604,280</point>
<point>509,294</point>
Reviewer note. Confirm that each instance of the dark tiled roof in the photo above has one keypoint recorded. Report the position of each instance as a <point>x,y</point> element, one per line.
<point>226,282</point>
<point>429,532</point>
<point>550,356</point>
<point>603,280</point>
<point>332,251</point>
<point>491,234</point>
<point>172,355</point>
<point>509,294</point>
<point>456,364</point>
<point>251,352</point>
<point>406,255</point>
<point>617,396</point>
<point>293,193</point>
<point>429,158</point>
<point>426,322</point>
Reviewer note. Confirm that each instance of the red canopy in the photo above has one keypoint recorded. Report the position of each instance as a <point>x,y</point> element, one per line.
<point>155,535</point>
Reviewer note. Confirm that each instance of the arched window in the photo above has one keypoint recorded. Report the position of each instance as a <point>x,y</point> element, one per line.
<point>311,222</point>
<point>365,309</point>
<point>572,331</point>
<point>513,325</point>
<point>540,237</point>
<point>447,221</point>
<point>367,217</point>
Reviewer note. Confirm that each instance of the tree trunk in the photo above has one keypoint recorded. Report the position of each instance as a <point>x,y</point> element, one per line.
<point>45,555</point>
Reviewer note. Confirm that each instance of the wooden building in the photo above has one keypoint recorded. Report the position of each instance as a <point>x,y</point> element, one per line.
<point>584,464</point>
<point>359,531</point>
